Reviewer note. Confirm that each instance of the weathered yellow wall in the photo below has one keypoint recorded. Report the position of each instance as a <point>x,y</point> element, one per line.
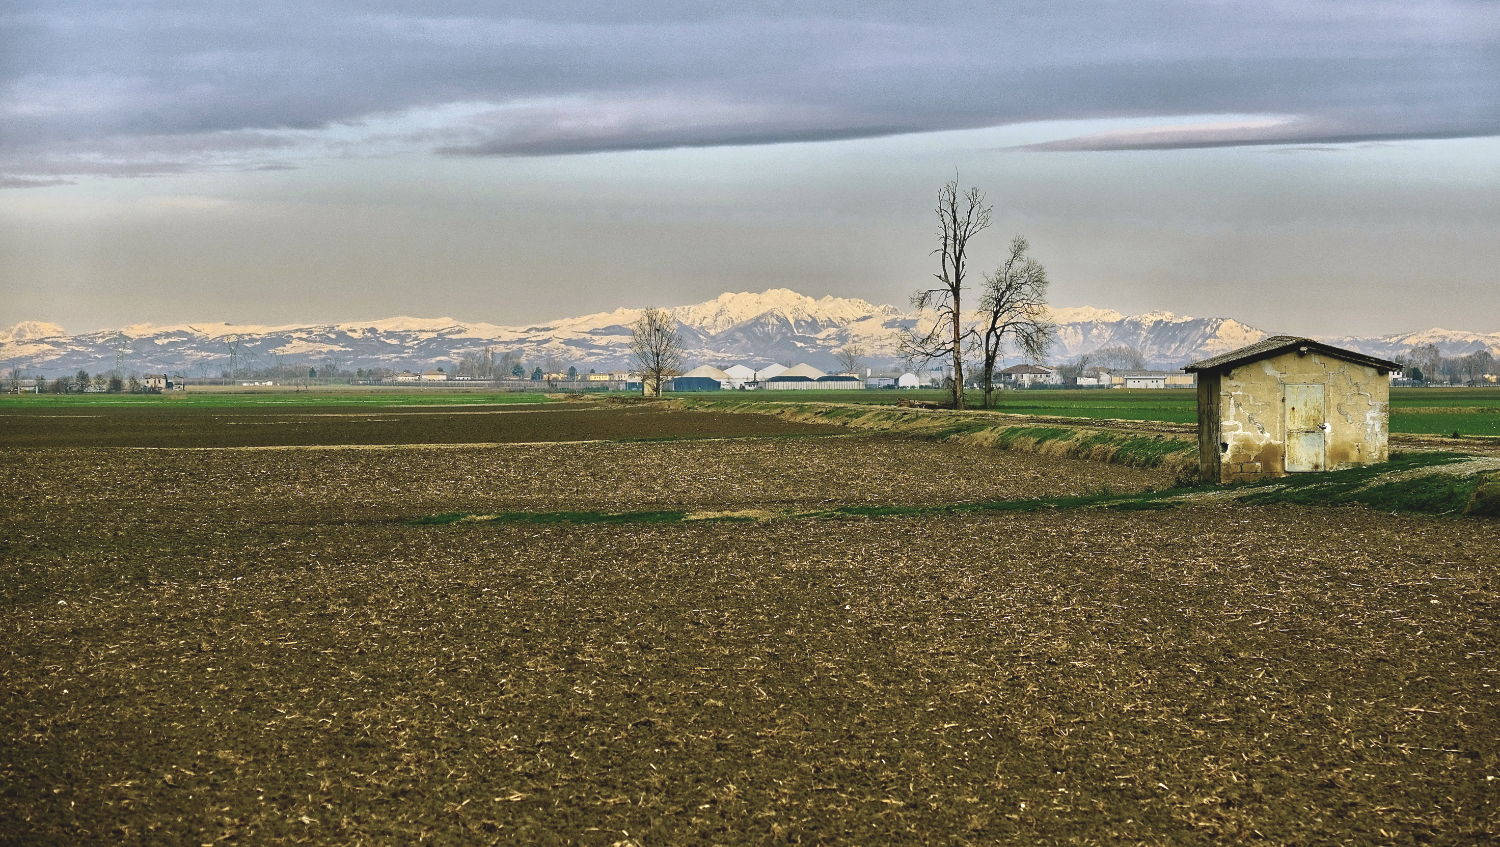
<point>1252,417</point>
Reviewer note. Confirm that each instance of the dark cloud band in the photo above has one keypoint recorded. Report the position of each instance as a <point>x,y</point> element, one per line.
<point>106,87</point>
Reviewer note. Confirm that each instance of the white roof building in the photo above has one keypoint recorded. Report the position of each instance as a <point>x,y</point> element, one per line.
<point>769,371</point>
<point>803,370</point>
<point>709,371</point>
<point>738,375</point>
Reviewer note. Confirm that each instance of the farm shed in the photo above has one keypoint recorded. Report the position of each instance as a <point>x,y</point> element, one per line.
<point>1290,405</point>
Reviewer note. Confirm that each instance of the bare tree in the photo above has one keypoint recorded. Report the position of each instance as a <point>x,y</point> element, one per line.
<point>506,365</point>
<point>1476,366</point>
<point>850,357</point>
<point>1074,370</point>
<point>960,217</point>
<point>656,350</point>
<point>331,365</point>
<point>1427,360</point>
<point>1013,308</point>
<point>1119,356</point>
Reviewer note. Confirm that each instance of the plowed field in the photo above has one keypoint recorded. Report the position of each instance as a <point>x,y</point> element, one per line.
<point>253,646</point>
<point>261,426</point>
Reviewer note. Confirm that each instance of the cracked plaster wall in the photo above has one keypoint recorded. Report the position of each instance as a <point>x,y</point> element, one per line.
<point>1251,419</point>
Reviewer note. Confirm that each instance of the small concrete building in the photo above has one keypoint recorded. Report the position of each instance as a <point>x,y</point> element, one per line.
<point>1290,405</point>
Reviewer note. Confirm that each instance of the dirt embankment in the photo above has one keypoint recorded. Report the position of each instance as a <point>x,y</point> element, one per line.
<point>1168,447</point>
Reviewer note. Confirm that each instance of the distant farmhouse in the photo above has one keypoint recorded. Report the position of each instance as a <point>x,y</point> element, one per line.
<point>162,382</point>
<point>1025,376</point>
<point>1289,405</point>
<point>1151,379</point>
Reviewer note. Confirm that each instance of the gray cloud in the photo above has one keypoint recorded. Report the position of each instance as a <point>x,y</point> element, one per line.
<point>136,88</point>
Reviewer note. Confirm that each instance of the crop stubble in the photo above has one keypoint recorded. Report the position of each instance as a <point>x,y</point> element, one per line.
<point>249,644</point>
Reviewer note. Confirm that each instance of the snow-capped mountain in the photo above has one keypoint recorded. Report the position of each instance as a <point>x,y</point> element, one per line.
<point>1451,343</point>
<point>1164,339</point>
<point>771,326</point>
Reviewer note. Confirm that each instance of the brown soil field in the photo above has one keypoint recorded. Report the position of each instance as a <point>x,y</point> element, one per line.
<point>252,646</point>
<point>255,426</point>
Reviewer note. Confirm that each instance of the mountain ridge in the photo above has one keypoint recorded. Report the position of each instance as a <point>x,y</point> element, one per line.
<point>774,325</point>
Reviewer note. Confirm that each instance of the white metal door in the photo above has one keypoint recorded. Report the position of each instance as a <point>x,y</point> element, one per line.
<point>1306,430</point>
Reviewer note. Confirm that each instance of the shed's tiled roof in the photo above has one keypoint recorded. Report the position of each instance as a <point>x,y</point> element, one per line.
<point>1268,347</point>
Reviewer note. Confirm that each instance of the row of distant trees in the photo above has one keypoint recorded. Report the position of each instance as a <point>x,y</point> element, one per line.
<point>75,384</point>
<point>1426,364</point>
<point>483,365</point>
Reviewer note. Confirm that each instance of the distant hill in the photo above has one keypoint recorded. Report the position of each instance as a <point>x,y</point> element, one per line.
<point>771,326</point>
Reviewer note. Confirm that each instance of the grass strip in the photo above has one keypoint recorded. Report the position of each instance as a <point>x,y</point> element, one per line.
<point>1130,502</point>
<point>1431,493</point>
<point>1434,493</point>
<point>1174,453</point>
<point>643,517</point>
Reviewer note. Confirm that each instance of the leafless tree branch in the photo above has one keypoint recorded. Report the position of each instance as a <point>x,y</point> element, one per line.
<point>960,217</point>
<point>1013,306</point>
<point>656,350</point>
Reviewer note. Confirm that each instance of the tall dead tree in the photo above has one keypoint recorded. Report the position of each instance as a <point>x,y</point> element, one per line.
<point>960,217</point>
<point>656,350</point>
<point>1013,308</point>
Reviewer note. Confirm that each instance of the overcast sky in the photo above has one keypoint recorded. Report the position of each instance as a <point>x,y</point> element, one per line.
<point>1308,167</point>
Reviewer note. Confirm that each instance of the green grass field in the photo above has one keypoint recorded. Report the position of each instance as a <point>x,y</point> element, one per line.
<point>1433,411</point>
<point>1179,406</point>
<point>1430,411</point>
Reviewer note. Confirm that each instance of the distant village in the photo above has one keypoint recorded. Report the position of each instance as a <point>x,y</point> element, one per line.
<point>507,373</point>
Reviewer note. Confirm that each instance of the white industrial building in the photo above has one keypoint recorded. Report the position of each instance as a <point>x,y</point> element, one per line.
<point>738,376</point>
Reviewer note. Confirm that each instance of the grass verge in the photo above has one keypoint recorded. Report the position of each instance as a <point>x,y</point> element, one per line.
<point>1410,482</point>
<point>1389,488</point>
<point>1172,452</point>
